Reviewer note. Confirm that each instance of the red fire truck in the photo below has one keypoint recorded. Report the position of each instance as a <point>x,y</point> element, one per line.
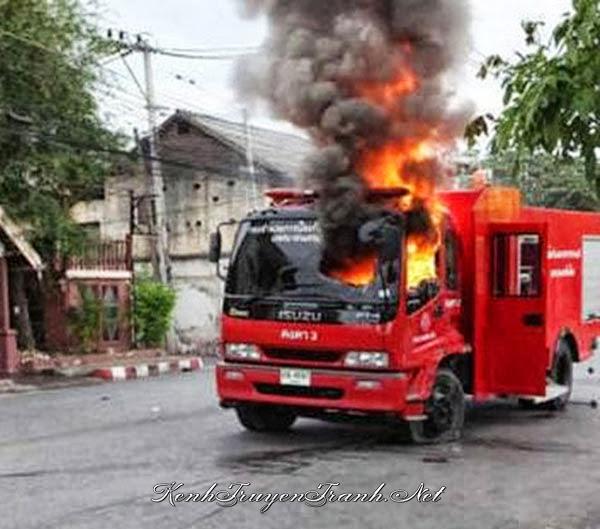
<point>515,303</point>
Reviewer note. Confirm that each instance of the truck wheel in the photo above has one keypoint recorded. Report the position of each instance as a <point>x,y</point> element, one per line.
<point>562,373</point>
<point>445,411</point>
<point>265,418</point>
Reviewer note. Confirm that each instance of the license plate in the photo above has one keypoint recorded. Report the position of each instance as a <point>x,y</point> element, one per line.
<point>294,377</point>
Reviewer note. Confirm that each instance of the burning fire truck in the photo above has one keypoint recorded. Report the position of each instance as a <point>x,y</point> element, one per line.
<point>504,304</point>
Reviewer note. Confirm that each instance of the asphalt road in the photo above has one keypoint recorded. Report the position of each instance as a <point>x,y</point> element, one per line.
<point>90,457</point>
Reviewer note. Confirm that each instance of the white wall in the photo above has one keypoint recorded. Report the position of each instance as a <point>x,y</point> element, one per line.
<point>199,298</point>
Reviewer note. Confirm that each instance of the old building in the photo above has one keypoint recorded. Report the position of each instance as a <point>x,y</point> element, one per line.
<point>214,170</point>
<point>17,258</point>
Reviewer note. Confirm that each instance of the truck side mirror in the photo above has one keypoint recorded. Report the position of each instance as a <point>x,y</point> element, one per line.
<point>214,251</point>
<point>215,245</point>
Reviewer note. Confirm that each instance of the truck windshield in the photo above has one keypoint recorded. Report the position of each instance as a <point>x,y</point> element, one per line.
<point>282,260</point>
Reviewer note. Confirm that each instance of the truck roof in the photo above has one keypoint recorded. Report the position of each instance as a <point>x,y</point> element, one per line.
<point>291,196</point>
<point>494,203</point>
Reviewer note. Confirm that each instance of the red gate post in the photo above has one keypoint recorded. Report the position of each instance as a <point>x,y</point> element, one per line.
<point>9,356</point>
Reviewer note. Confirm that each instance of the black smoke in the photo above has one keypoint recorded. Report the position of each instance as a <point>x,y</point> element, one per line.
<point>317,55</point>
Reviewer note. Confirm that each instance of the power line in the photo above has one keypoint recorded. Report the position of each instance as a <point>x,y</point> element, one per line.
<point>133,76</point>
<point>225,49</point>
<point>105,150</point>
<point>175,101</point>
<point>197,86</point>
<point>203,57</point>
<point>172,157</point>
<point>102,66</point>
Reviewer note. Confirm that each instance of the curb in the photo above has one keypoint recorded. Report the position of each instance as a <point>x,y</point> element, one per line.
<point>115,373</point>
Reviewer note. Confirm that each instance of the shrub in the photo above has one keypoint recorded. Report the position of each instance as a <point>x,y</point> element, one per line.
<point>153,311</point>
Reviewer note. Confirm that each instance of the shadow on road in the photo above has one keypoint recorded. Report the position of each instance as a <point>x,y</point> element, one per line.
<point>496,426</point>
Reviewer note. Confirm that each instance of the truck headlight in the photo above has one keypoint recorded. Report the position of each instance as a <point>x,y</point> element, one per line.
<point>367,360</point>
<point>242,351</point>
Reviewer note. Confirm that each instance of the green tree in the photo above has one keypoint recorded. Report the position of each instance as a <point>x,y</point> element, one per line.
<point>53,144</point>
<point>543,180</point>
<point>153,310</point>
<point>552,92</point>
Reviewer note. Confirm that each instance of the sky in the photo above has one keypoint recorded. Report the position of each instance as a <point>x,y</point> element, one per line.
<point>205,85</point>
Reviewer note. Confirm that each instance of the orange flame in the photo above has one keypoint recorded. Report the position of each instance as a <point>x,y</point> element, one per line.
<point>358,273</point>
<point>390,167</point>
<point>402,163</point>
<point>388,94</point>
<point>420,259</point>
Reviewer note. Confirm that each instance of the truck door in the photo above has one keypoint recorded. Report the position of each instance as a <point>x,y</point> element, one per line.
<point>514,358</point>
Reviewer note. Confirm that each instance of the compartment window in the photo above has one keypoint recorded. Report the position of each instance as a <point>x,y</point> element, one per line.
<point>591,279</point>
<point>516,265</point>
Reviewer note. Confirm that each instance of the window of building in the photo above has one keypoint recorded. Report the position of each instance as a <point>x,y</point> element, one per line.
<point>91,230</point>
<point>110,313</point>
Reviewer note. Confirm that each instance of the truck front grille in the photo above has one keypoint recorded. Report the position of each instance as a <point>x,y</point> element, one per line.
<point>300,391</point>
<point>303,355</point>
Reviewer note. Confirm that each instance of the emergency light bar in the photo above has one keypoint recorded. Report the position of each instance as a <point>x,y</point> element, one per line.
<point>284,196</point>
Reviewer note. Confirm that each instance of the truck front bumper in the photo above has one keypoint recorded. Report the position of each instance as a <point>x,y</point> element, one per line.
<point>329,390</point>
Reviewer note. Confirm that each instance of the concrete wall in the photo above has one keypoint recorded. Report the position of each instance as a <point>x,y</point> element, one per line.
<point>112,213</point>
<point>199,298</point>
<point>206,183</point>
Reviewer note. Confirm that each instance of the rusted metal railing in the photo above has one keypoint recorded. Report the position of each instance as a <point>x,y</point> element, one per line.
<point>102,255</point>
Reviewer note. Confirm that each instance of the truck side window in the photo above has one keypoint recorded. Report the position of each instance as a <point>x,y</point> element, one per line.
<point>418,296</point>
<point>451,244</point>
<point>516,261</point>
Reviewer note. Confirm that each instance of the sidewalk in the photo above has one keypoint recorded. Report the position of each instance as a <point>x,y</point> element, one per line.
<point>156,367</point>
<point>33,383</point>
<point>110,366</point>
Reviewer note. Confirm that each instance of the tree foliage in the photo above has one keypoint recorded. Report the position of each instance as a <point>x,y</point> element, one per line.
<point>52,142</point>
<point>543,180</point>
<point>552,93</point>
<point>153,310</point>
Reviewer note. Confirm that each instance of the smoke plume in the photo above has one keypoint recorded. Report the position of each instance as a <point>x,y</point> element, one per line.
<point>367,79</point>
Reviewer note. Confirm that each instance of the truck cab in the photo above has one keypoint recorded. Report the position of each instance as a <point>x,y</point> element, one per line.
<point>298,340</point>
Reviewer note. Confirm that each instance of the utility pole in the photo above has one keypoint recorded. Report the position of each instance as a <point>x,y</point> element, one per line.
<point>161,239</point>
<point>251,169</point>
<point>156,187</point>
<point>155,183</point>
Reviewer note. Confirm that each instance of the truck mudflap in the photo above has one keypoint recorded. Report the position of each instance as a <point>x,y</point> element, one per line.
<point>327,389</point>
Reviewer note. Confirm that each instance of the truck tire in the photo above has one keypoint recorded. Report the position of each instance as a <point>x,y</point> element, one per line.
<point>265,418</point>
<point>562,373</point>
<point>445,410</point>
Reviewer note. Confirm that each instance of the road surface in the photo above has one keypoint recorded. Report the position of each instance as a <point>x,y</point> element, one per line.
<point>90,457</point>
